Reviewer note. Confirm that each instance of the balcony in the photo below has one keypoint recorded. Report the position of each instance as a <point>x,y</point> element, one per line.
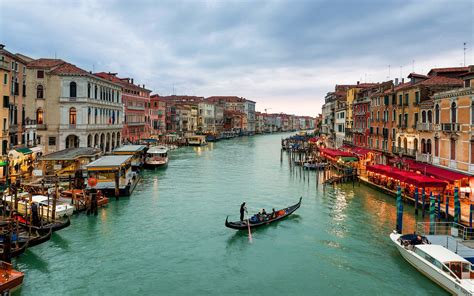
<point>137,108</point>
<point>450,127</point>
<point>453,164</point>
<point>424,157</point>
<point>404,151</point>
<point>4,65</point>
<point>41,127</point>
<point>87,126</point>
<point>424,127</point>
<point>135,123</point>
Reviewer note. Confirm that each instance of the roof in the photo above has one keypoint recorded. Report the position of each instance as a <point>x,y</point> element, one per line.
<point>441,254</point>
<point>45,63</point>
<point>434,171</point>
<point>109,160</point>
<point>130,148</point>
<point>123,81</point>
<point>435,71</point>
<point>69,69</point>
<point>24,150</point>
<point>416,75</point>
<point>72,153</point>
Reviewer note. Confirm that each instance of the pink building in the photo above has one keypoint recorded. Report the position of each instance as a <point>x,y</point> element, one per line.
<point>157,115</point>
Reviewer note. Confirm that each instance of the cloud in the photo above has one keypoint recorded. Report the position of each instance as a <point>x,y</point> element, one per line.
<point>284,54</point>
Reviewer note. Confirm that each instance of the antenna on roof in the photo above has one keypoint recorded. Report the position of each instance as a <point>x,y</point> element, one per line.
<point>413,66</point>
<point>464,49</point>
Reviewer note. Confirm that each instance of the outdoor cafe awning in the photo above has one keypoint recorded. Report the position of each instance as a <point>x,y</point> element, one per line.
<point>412,178</point>
<point>336,153</point>
<point>434,171</point>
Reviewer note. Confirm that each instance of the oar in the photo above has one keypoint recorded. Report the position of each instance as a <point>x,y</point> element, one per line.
<point>250,233</point>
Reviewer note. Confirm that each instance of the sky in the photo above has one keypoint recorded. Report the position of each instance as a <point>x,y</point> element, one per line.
<point>286,55</point>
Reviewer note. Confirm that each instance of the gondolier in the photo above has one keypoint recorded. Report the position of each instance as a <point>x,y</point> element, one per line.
<point>242,210</point>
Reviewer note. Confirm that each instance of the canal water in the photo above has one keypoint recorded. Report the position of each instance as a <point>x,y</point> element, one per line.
<point>169,237</point>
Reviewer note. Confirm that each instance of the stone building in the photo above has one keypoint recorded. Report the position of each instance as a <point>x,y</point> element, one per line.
<point>72,107</point>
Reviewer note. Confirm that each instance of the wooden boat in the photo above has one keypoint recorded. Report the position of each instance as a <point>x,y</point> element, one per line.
<point>46,226</point>
<point>38,238</point>
<point>283,213</point>
<point>10,279</point>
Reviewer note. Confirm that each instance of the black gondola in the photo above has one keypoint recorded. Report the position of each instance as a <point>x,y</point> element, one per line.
<point>242,225</point>
<point>44,229</point>
<point>38,239</point>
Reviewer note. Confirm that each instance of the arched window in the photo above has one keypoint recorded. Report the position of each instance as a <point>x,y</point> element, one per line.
<point>437,114</point>
<point>39,92</point>
<point>39,116</point>
<point>415,144</point>
<point>430,116</point>
<point>405,144</point>
<point>423,116</point>
<point>72,90</point>
<point>88,90</point>
<point>428,146</point>
<point>423,146</point>
<point>453,112</point>
<point>95,92</point>
<point>72,115</point>
<point>394,117</point>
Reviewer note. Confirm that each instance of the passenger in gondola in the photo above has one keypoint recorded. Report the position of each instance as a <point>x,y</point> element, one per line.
<point>242,210</point>
<point>273,214</point>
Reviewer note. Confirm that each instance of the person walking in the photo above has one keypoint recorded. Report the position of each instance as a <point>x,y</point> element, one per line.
<point>242,210</point>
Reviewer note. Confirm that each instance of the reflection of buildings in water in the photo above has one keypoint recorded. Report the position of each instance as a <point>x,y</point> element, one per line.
<point>200,149</point>
<point>338,213</point>
<point>155,193</point>
<point>386,213</point>
<point>103,215</point>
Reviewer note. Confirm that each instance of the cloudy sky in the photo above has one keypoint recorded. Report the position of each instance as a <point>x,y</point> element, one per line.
<point>283,54</point>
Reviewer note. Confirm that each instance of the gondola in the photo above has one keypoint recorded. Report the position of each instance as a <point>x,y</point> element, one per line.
<point>38,239</point>
<point>44,229</point>
<point>242,225</point>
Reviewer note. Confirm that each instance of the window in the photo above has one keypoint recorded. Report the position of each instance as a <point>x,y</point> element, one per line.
<point>6,101</point>
<point>406,99</point>
<point>39,116</point>
<point>5,78</point>
<point>95,92</point>
<point>400,99</point>
<point>40,74</point>
<point>72,89</point>
<point>39,92</point>
<point>23,92</point>
<point>417,97</point>
<point>88,90</point>
<point>52,141</point>
<point>72,115</point>
<point>453,149</point>
<point>437,114</point>
<point>453,112</point>
<point>416,119</point>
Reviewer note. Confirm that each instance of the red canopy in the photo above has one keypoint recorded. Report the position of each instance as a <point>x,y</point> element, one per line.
<point>360,151</point>
<point>434,171</point>
<point>335,153</point>
<point>406,176</point>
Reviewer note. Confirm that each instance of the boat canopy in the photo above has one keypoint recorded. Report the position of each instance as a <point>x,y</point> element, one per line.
<point>109,162</point>
<point>441,254</point>
<point>129,149</point>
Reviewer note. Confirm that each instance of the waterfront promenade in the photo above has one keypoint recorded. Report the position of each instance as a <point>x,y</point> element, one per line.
<point>169,237</point>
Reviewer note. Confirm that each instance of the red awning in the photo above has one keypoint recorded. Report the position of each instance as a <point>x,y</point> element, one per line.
<point>361,151</point>
<point>406,176</point>
<point>335,153</point>
<point>434,171</point>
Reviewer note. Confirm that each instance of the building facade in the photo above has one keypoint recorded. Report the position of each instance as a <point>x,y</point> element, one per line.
<point>72,107</point>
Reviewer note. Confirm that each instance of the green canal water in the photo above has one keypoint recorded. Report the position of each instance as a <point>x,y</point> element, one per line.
<point>169,237</point>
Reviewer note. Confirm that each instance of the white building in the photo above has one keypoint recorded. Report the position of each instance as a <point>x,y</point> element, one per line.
<point>74,108</point>
<point>206,117</point>
<point>340,123</point>
<point>250,111</point>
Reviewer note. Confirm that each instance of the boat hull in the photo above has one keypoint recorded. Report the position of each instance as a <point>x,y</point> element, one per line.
<point>429,270</point>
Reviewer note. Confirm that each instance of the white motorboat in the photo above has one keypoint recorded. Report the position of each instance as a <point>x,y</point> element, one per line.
<point>45,211</point>
<point>446,268</point>
<point>156,156</point>
<point>196,140</point>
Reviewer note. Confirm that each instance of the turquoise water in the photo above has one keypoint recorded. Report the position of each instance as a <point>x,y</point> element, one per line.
<point>169,237</point>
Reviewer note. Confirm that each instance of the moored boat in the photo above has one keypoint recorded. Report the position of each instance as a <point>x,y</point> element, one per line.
<point>311,165</point>
<point>10,279</point>
<point>45,206</point>
<point>256,222</point>
<point>446,268</point>
<point>156,156</point>
<point>196,140</point>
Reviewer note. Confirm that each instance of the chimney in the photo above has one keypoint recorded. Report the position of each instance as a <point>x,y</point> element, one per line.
<point>358,82</point>
<point>2,46</point>
<point>143,85</point>
<point>403,80</point>
<point>396,81</point>
<point>132,80</point>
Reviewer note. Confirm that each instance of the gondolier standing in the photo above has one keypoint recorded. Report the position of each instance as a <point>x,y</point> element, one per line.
<point>242,210</point>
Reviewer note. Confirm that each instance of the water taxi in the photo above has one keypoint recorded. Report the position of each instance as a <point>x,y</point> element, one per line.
<point>114,175</point>
<point>137,152</point>
<point>196,140</point>
<point>10,279</point>
<point>446,268</point>
<point>45,206</point>
<point>156,156</point>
